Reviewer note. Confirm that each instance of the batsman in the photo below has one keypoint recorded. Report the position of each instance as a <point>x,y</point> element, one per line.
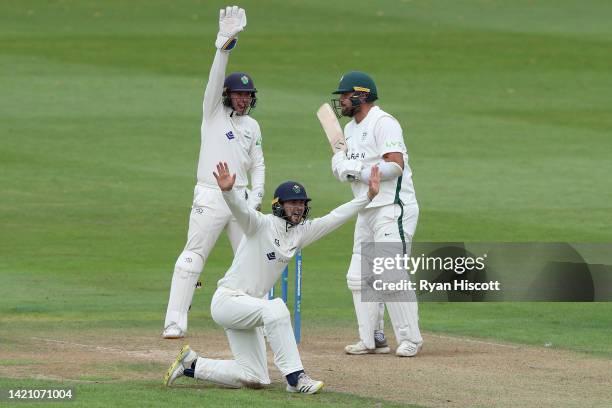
<point>228,133</point>
<point>240,303</point>
<point>374,138</point>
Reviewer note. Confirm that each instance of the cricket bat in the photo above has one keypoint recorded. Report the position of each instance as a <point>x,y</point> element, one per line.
<point>332,128</point>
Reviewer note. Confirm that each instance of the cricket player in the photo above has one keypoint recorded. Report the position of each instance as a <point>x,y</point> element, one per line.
<point>240,303</point>
<point>228,134</point>
<point>374,138</point>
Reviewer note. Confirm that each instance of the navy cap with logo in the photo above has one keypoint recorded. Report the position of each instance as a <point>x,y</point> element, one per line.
<point>287,191</point>
<point>290,190</point>
<point>239,82</point>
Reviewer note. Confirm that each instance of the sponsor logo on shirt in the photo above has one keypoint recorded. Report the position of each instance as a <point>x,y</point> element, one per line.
<point>271,256</point>
<point>277,242</point>
<point>393,143</point>
<point>230,135</point>
<point>356,156</point>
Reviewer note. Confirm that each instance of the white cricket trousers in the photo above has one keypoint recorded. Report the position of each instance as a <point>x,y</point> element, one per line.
<point>245,319</point>
<point>209,216</point>
<point>393,223</point>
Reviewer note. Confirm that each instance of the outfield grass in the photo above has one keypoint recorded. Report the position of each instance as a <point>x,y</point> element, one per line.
<point>505,108</point>
<point>92,393</point>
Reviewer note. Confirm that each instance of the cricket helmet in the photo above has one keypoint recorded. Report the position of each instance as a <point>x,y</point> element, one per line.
<point>288,191</point>
<point>239,82</point>
<point>362,86</point>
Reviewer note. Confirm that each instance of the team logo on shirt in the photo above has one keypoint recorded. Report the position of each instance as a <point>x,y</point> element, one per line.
<point>394,143</point>
<point>364,136</point>
<point>230,135</point>
<point>271,256</point>
<point>277,242</point>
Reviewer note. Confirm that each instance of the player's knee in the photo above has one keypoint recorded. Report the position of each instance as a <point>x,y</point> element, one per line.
<point>189,262</point>
<point>256,380</point>
<point>275,311</point>
<point>354,285</point>
<point>353,276</point>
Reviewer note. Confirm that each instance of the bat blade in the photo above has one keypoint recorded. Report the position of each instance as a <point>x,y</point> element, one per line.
<point>332,128</point>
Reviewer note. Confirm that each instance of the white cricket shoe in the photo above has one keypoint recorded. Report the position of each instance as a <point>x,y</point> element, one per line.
<point>172,331</point>
<point>306,385</point>
<point>407,349</point>
<point>184,360</point>
<point>360,348</point>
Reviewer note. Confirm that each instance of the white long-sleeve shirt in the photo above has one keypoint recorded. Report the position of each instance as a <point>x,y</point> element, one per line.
<point>367,142</point>
<point>268,245</point>
<point>230,138</point>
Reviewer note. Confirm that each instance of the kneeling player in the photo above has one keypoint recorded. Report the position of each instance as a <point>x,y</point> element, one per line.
<point>240,304</point>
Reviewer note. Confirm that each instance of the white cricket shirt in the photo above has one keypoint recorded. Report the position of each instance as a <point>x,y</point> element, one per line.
<point>268,245</point>
<point>230,138</point>
<point>377,134</point>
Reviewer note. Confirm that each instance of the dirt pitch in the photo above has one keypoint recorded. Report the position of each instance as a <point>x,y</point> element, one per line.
<point>450,371</point>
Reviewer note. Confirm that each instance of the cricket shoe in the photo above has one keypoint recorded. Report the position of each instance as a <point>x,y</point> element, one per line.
<point>407,349</point>
<point>172,331</point>
<point>184,360</point>
<point>360,348</point>
<point>306,385</point>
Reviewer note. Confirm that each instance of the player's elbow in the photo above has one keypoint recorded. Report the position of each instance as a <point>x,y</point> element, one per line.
<point>395,157</point>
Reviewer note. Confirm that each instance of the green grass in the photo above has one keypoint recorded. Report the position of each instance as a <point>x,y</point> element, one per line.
<point>97,393</point>
<point>503,104</point>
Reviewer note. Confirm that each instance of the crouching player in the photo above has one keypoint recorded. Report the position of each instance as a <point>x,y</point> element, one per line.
<point>240,304</point>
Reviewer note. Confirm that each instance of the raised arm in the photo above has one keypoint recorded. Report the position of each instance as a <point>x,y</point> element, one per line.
<point>320,227</point>
<point>232,20</point>
<point>248,219</point>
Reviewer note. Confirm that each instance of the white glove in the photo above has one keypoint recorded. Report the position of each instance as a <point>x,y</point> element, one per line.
<point>232,20</point>
<point>344,169</point>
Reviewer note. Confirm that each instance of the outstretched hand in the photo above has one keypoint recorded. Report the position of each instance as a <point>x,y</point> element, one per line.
<point>374,182</point>
<point>232,20</point>
<point>224,179</point>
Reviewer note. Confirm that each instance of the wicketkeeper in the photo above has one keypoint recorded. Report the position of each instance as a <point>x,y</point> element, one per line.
<point>240,303</point>
<point>374,138</point>
<point>231,135</point>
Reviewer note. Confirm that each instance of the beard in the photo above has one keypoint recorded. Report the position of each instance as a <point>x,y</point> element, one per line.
<point>350,111</point>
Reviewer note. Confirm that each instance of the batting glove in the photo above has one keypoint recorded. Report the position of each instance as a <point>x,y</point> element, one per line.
<point>344,169</point>
<point>232,20</point>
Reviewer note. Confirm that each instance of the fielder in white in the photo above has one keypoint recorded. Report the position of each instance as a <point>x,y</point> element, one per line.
<point>240,303</point>
<point>228,134</point>
<point>374,138</point>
